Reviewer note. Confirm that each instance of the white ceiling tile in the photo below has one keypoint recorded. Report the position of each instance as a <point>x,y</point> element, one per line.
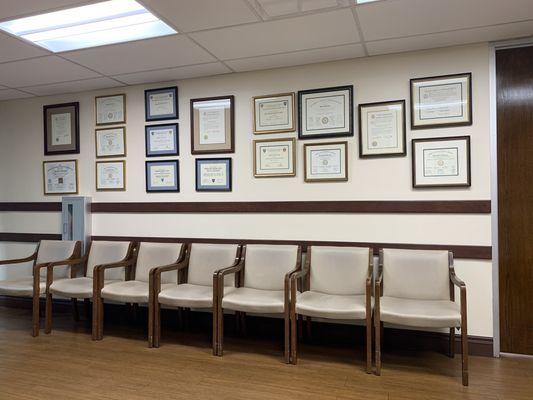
<point>143,55</point>
<point>14,49</point>
<point>73,87</point>
<point>172,74</point>
<point>276,8</point>
<point>390,18</point>
<point>292,34</point>
<point>187,15</point>
<point>11,94</point>
<point>464,36</point>
<point>13,8</point>
<point>40,71</point>
<point>298,58</point>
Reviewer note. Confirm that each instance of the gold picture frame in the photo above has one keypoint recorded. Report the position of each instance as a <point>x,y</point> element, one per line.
<point>276,113</point>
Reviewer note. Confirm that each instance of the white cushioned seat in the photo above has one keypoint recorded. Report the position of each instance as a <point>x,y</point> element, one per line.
<point>22,287</point>
<point>420,313</point>
<point>129,291</point>
<point>255,300</point>
<point>79,288</point>
<point>322,305</point>
<point>189,295</point>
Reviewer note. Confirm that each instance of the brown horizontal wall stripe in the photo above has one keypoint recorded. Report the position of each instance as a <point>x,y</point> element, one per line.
<point>32,207</point>
<point>472,252</point>
<point>28,237</point>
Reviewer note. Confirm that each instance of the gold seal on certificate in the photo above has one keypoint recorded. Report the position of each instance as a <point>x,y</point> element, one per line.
<point>110,142</point>
<point>441,162</point>
<point>110,175</point>
<point>60,177</point>
<point>61,129</point>
<point>274,158</point>
<point>326,162</point>
<point>382,129</point>
<point>212,125</point>
<point>441,101</point>
<point>274,113</point>
<point>110,110</point>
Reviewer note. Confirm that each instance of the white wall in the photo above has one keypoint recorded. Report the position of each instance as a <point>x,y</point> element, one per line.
<point>375,79</point>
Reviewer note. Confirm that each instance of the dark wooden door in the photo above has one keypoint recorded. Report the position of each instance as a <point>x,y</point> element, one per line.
<point>514,80</point>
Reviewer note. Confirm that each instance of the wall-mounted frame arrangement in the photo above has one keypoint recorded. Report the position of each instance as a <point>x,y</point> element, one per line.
<point>61,129</point>
<point>325,113</point>
<point>161,103</point>
<point>441,162</point>
<point>441,101</point>
<point>213,125</point>
<point>382,129</point>
<point>274,113</point>
<point>162,176</point>
<point>162,140</point>
<point>111,175</point>
<point>326,162</point>
<point>110,110</point>
<point>274,158</point>
<point>60,177</point>
<point>110,142</point>
<point>213,174</point>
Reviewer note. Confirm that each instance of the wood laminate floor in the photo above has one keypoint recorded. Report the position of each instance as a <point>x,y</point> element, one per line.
<point>68,365</point>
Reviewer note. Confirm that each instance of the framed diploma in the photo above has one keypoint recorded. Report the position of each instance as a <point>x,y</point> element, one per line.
<point>61,129</point>
<point>325,113</point>
<point>213,125</point>
<point>326,162</point>
<point>110,110</point>
<point>274,113</point>
<point>161,103</point>
<point>110,175</point>
<point>441,101</point>
<point>110,142</point>
<point>213,174</point>
<point>161,140</point>
<point>441,162</point>
<point>382,129</point>
<point>60,177</point>
<point>162,176</point>
<point>274,158</point>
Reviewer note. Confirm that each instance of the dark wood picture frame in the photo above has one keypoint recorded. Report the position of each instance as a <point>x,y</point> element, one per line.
<point>161,154</point>
<point>198,161</point>
<point>325,180</point>
<point>148,163</point>
<point>175,115</point>
<point>404,127</point>
<point>75,135</point>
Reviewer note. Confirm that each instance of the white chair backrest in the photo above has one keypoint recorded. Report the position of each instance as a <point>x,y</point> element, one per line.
<point>151,255</point>
<point>265,266</point>
<point>206,258</point>
<point>339,270</point>
<point>106,253</point>
<point>416,274</point>
<point>55,250</point>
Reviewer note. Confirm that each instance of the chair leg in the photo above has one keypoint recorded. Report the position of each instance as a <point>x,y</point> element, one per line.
<point>215,330</point>
<point>369,345</point>
<point>220,328</point>
<point>294,339</point>
<point>100,319</point>
<point>48,314</point>
<point>95,328</point>
<point>151,321</point>
<point>287,338</point>
<point>464,345</point>
<point>451,340</point>
<point>157,324</point>
<point>35,314</point>
<point>75,312</point>
<point>378,325</point>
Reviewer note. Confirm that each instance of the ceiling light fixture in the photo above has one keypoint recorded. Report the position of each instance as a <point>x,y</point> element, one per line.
<point>108,22</point>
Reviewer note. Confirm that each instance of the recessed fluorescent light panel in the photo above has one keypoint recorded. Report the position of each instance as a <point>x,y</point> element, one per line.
<point>108,22</point>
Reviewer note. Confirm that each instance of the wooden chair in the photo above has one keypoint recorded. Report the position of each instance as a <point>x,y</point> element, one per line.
<point>337,285</point>
<point>55,253</point>
<point>195,289</point>
<point>98,253</point>
<point>135,289</point>
<point>264,283</point>
<point>416,288</point>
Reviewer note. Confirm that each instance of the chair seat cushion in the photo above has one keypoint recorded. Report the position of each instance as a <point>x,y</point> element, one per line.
<point>80,288</point>
<point>22,287</point>
<point>322,305</point>
<point>255,300</point>
<point>420,313</point>
<point>189,295</point>
<point>129,291</point>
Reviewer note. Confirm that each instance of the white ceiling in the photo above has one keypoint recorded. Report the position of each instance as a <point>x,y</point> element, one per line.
<point>225,36</point>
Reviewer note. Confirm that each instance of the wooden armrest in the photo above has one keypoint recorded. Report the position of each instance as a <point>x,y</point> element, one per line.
<point>236,267</point>
<point>297,268</point>
<point>18,260</point>
<point>455,280</point>
<point>119,264</point>
<point>73,261</point>
<point>170,267</point>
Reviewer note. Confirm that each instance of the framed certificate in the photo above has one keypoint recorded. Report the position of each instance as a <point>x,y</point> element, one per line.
<point>213,125</point>
<point>213,174</point>
<point>326,162</point>
<point>110,142</point>
<point>441,162</point>
<point>162,176</point>
<point>110,175</point>
<point>382,129</point>
<point>60,177</point>
<point>274,158</point>
<point>274,113</point>
<point>61,129</point>
<point>325,112</point>
<point>161,103</point>
<point>441,101</point>
<point>161,140</point>
<point>110,110</point>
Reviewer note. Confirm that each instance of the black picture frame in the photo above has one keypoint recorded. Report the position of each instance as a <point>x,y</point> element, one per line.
<point>229,172</point>
<point>174,152</point>
<point>174,188</point>
<point>148,117</point>
<point>72,108</point>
